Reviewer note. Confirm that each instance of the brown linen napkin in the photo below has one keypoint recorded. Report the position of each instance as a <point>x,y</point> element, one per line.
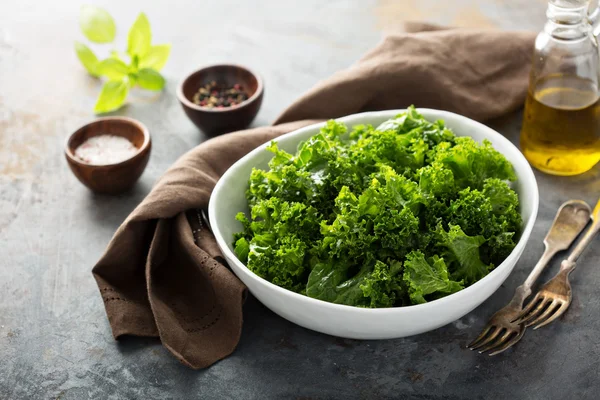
<point>163,274</point>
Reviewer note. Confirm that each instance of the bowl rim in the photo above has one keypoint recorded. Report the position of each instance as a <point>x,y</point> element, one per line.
<point>527,172</point>
<point>257,93</point>
<point>140,151</point>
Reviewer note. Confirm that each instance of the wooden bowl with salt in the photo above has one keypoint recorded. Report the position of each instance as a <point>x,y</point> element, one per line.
<point>102,160</point>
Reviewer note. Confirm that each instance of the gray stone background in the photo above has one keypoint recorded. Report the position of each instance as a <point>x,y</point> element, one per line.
<point>55,341</point>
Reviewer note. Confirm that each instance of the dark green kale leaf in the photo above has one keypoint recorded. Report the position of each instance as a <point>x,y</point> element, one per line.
<point>411,122</point>
<point>463,253</point>
<point>376,286</point>
<point>426,277</point>
<point>472,163</point>
<point>492,213</point>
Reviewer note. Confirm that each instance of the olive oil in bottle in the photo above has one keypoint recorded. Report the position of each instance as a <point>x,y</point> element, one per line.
<point>561,125</point>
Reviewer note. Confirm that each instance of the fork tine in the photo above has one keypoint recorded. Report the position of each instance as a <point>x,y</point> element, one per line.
<point>511,342</point>
<point>527,309</point>
<point>560,311</point>
<point>539,307</point>
<point>482,335</point>
<point>542,317</point>
<point>488,339</point>
<point>498,342</point>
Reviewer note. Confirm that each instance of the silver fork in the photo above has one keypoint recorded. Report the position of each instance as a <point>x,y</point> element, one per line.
<point>553,299</point>
<point>501,332</point>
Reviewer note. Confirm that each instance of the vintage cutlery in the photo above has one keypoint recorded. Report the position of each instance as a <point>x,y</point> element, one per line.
<point>553,299</point>
<point>501,332</point>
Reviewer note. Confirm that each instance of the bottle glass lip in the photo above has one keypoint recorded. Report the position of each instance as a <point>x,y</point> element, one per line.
<point>566,16</point>
<point>569,4</point>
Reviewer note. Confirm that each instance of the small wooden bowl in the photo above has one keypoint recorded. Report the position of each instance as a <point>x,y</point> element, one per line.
<point>214,121</point>
<point>111,178</point>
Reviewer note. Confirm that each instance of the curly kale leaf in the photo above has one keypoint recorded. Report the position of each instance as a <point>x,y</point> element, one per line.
<point>437,181</point>
<point>276,243</point>
<point>376,286</point>
<point>426,277</point>
<point>381,221</point>
<point>411,122</point>
<point>463,253</point>
<point>472,163</point>
<point>492,213</point>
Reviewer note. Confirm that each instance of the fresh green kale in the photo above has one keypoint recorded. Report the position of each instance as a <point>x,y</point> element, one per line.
<point>400,214</point>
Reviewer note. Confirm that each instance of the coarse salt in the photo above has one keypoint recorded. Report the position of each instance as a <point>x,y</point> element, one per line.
<point>105,149</point>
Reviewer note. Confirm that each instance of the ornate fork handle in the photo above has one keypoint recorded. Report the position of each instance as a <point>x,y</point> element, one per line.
<point>570,263</point>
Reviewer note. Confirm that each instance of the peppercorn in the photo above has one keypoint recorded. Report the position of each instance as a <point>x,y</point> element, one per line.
<point>213,95</point>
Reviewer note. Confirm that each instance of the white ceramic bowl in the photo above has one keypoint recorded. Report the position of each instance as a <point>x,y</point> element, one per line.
<point>228,198</point>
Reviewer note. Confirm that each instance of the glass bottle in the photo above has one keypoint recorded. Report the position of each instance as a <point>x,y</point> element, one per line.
<point>561,123</point>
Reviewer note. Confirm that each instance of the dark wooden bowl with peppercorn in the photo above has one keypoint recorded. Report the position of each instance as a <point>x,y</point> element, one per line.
<point>221,98</point>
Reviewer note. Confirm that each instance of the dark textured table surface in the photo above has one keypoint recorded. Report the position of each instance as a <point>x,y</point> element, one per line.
<point>55,341</point>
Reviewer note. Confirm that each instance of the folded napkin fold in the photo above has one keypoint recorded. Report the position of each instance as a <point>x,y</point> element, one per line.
<point>163,274</point>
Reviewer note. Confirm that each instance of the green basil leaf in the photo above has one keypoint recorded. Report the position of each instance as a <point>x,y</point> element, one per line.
<point>112,96</point>
<point>87,58</point>
<point>113,69</point>
<point>156,57</point>
<point>150,79</point>
<point>140,37</point>
<point>97,25</point>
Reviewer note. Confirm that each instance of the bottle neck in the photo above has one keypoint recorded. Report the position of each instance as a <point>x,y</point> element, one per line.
<point>566,20</point>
